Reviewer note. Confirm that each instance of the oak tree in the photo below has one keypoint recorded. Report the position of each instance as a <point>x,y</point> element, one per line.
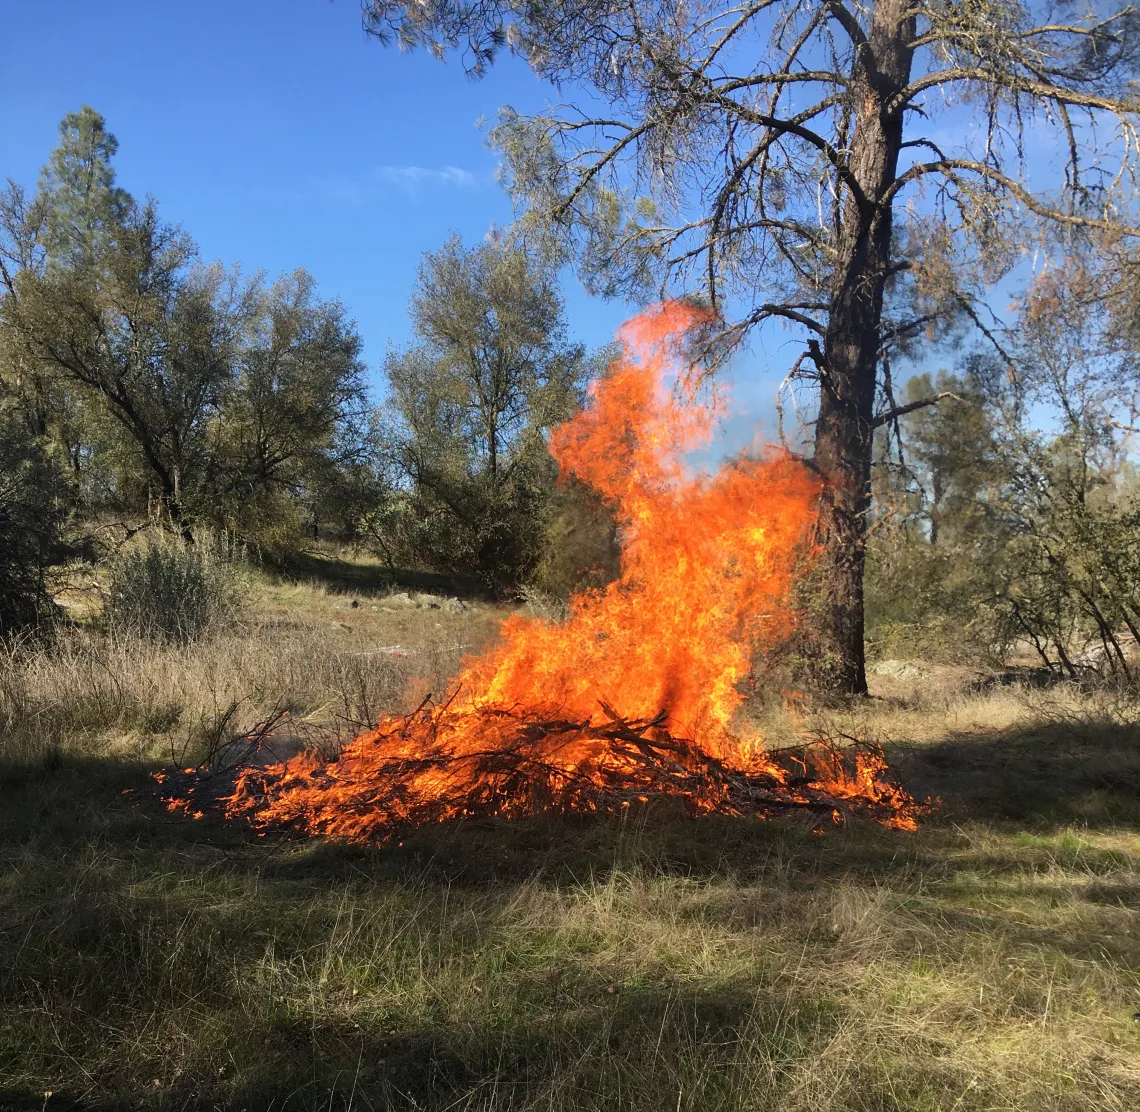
<point>470,403</point>
<point>166,382</point>
<point>294,417</point>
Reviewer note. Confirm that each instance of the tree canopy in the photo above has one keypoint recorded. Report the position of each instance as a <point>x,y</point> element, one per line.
<point>470,404</point>
<point>167,382</point>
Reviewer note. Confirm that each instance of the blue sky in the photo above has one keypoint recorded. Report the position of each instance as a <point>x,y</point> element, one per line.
<point>277,135</point>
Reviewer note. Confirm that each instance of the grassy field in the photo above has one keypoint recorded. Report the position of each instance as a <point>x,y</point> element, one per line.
<point>989,961</point>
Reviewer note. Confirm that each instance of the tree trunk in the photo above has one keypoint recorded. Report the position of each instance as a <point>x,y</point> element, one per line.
<point>850,356</point>
<point>178,522</point>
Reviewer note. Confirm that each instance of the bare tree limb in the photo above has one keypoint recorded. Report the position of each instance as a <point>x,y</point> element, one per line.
<point>910,407</point>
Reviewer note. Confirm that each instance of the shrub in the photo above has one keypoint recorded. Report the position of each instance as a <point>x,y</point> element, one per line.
<point>170,590</point>
<point>581,548</point>
<point>32,516</point>
<point>934,602</point>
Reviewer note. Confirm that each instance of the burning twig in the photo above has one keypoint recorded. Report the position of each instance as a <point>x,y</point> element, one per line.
<point>408,774</point>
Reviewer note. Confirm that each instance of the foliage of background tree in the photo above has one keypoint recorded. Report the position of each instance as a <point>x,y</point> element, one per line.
<point>1068,433</point>
<point>786,160</point>
<point>145,334</point>
<point>1018,515</point>
<point>469,406</point>
<point>937,545</point>
<point>296,412</point>
<point>33,513</point>
<point>81,206</point>
<point>170,385</point>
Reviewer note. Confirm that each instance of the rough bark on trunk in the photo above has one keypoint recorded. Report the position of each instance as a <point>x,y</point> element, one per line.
<point>850,355</point>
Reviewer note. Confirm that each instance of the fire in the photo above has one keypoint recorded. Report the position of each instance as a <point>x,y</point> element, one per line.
<point>634,694</point>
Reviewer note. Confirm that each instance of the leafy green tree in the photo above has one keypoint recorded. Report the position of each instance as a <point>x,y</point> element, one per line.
<point>74,217</point>
<point>151,336</point>
<point>83,209</point>
<point>62,222</point>
<point>1074,578</point>
<point>164,382</point>
<point>295,420</point>
<point>936,556</point>
<point>772,158</point>
<point>953,452</point>
<point>33,514</point>
<point>1019,519</point>
<point>470,404</point>
<point>110,326</point>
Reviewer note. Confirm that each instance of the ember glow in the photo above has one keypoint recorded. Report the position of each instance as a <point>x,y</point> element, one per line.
<point>634,694</point>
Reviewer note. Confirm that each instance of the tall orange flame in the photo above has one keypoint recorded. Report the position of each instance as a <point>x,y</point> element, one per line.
<point>706,561</point>
<point>636,691</point>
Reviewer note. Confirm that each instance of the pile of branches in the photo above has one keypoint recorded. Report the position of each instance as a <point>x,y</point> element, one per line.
<point>407,774</point>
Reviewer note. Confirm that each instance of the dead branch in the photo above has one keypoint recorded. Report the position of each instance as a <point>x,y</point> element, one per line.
<point>910,407</point>
<point>531,765</point>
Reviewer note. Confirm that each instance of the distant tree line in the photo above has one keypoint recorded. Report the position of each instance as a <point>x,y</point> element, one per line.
<point>464,428</point>
<point>1010,514</point>
<point>139,383</point>
<point>161,384</point>
<point>862,173</point>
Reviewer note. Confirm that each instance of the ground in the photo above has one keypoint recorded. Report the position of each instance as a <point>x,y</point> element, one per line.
<point>990,960</point>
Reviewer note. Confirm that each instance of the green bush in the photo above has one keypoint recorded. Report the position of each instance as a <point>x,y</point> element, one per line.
<point>170,590</point>
<point>933,602</point>
<point>580,543</point>
<point>32,516</point>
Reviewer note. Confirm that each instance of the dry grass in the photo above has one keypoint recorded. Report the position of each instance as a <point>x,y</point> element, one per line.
<point>336,667</point>
<point>989,961</point>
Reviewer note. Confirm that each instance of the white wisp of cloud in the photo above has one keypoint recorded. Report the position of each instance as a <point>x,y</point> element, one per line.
<point>413,178</point>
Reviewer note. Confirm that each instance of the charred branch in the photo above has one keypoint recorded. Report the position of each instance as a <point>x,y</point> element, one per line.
<point>531,765</point>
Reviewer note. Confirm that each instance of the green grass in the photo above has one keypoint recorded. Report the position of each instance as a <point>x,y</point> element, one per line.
<point>989,961</point>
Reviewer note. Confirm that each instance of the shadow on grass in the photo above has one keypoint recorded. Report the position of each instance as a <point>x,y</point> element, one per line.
<point>1034,677</point>
<point>1060,774</point>
<point>629,1048</point>
<point>1034,786</point>
<point>1041,780</point>
<point>126,932</point>
<point>91,806</point>
<point>112,911</point>
<point>372,579</point>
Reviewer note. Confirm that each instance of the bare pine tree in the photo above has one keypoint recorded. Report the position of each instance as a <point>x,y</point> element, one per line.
<point>861,171</point>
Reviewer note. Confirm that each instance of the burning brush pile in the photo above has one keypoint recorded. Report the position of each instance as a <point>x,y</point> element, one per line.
<point>633,695</point>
